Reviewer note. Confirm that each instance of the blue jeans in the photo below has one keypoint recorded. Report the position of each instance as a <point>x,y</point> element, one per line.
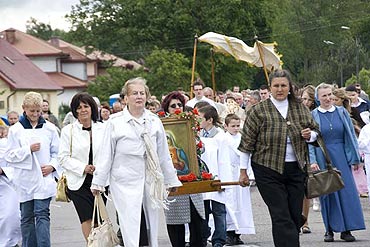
<point>35,235</point>
<point>219,216</point>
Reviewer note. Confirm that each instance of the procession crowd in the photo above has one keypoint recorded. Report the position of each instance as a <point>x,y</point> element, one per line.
<point>268,137</point>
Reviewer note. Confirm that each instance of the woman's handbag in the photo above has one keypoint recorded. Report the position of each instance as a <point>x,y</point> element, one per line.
<point>61,195</point>
<point>103,235</point>
<point>324,181</point>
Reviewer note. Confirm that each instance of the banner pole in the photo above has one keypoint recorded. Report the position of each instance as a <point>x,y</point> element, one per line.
<point>193,66</point>
<point>213,75</point>
<point>262,60</point>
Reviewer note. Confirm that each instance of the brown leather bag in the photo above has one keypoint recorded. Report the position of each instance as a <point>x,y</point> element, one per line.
<point>325,181</point>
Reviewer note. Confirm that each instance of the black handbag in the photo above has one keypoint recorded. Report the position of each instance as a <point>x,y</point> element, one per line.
<point>325,181</point>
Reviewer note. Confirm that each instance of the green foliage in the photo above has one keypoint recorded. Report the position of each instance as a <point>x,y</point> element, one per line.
<point>112,82</point>
<point>138,29</point>
<point>168,71</point>
<point>363,79</point>
<point>42,30</point>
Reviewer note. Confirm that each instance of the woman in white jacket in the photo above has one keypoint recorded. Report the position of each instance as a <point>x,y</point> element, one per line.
<point>136,159</point>
<point>80,142</point>
<point>32,152</point>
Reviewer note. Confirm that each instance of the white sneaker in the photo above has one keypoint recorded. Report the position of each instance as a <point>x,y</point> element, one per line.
<point>316,205</point>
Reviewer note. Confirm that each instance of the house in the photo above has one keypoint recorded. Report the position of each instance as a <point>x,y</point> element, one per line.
<point>19,75</point>
<point>49,59</point>
<point>70,66</point>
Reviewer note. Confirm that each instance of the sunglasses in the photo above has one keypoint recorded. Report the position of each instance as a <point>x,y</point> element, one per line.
<point>176,104</point>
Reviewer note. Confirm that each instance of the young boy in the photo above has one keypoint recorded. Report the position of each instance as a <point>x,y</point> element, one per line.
<point>239,217</point>
<point>217,162</point>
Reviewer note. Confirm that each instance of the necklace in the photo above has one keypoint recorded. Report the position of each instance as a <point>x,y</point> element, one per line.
<point>331,120</point>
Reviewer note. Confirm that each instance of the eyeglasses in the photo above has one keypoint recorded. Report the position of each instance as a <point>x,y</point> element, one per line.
<point>176,104</point>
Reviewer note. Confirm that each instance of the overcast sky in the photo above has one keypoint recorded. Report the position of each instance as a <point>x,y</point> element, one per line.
<point>15,13</point>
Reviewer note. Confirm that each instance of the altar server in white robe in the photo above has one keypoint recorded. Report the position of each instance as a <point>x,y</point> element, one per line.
<point>364,146</point>
<point>10,220</point>
<point>32,151</point>
<point>136,159</point>
<point>239,217</point>
<point>218,163</point>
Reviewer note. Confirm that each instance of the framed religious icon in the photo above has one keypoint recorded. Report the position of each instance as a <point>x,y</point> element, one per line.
<point>181,144</point>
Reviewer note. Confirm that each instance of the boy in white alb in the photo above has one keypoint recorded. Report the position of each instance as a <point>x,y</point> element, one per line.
<point>218,164</point>
<point>239,216</point>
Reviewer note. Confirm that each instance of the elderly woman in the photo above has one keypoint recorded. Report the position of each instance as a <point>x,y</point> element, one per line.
<point>186,209</point>
<point>274,137</point>
<point>32,152</point>
<point>136,159</point>
<point>80,142</point>
<point>341,210</point>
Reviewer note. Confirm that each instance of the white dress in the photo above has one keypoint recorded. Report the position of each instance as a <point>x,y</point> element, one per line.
<point>364,147</point>
<point>10,221</point>
<point>123,160</point>
<point>239,217</point>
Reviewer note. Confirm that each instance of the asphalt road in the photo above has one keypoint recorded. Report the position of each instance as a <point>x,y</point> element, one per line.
<point>66,232</point>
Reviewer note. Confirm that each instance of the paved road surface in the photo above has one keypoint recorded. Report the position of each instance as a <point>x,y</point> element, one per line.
<point>66,232</point>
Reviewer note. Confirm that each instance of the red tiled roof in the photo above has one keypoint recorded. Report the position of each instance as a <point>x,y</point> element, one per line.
<point>19,72</point>
<point>66,81</point>
<point>32,46</point>
<point>79,54</point>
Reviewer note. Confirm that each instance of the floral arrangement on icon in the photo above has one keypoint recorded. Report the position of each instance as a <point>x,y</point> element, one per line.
<point>178,155</point>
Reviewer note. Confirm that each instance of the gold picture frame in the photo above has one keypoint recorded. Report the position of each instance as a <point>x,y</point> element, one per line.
<point>181,142</point>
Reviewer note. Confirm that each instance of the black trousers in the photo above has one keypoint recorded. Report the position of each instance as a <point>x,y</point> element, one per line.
<point>177,232</point>
<point>283,195</point>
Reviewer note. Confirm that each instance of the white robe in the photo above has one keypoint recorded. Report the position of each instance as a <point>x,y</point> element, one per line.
<point>364,148</point>
<point>28,179</point>
<point>239,217</point>
<point>10,221</point>
<point>218,164</point>
<point>122,159</point>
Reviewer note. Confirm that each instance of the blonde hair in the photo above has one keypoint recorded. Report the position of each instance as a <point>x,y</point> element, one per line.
<point>136,81</point>
<point>32,99</point>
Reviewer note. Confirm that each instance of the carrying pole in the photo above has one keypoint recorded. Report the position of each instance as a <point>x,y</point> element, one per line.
<point>213,75</point>
<point>193,66</point>
<point>262,59</point>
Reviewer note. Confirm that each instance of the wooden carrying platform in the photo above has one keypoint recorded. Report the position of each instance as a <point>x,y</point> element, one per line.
<point>200,187</point>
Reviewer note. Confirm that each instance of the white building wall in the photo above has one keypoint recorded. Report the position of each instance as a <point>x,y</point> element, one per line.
<point>77,70</point>
<point>46,64</point>
<point>67,95</point>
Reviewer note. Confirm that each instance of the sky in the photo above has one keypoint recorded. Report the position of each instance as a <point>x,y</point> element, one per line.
<point>15,13</point>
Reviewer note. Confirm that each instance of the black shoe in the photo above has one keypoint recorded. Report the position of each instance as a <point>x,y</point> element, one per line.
<point>237,240</point>
<point>229,241</point>
<point>347,236</point>
<point>329,237</point>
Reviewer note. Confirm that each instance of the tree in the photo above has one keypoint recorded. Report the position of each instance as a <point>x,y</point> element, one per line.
<point>132,29</point>
<point>42,30</point>
<point>168,70</point>
<point>363,79</point>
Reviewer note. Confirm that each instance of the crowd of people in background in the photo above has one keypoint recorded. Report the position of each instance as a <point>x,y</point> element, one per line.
<point>124,145</point>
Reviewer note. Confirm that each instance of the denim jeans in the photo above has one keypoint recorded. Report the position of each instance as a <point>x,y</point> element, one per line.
<point>218,211</point>
<point>35,223</point>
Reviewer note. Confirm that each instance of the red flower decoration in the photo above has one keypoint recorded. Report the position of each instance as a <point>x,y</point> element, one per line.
<point>200,144</point>
<point>188,178</point>
<point>161,113</point>
<point>177,111</point>
<point>206,175</point>
<point>195,111</point>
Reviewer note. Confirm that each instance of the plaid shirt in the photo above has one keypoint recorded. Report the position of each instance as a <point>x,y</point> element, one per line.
<point>265,133</point>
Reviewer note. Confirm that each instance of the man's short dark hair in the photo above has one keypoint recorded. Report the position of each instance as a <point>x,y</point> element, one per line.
<point>352,88</point>
<point>263,87</point>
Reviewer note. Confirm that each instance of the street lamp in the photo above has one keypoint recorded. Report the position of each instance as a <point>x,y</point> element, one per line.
<point>328,42</point>
<point>357,50</point>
